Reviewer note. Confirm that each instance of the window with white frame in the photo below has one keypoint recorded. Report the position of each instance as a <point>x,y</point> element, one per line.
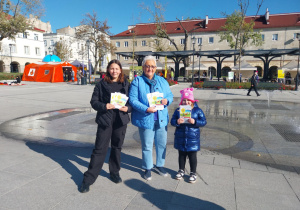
<point>126,44</point>
<point>157,57</point>
<point>26,50</point>
<point>45,43</point>
<point>13,48</point>
<point>51,42</point>
<point>144,43</point>
<point>170,43</point>
<point>125,58</point>
<point>37,51</point>
<point>275,37</point>
<point>25,34</point>
<point>118,57</point>
<point>156,42</point>
<point>46,53</point>
<point>295,36</point>
<point>182,41</point>
<point>263,37</point>
<point>36,37</point>
<point>211,40</point>
<point>117,44</point>
<point>199,41</point>
<point>135,43</point>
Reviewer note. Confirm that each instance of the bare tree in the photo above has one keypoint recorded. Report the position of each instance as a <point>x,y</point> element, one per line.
<point>97,32</point>
<point>63,50</point>
<point>161,30</point>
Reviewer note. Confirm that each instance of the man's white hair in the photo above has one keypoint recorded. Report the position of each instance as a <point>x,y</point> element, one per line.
<point>147,58</point>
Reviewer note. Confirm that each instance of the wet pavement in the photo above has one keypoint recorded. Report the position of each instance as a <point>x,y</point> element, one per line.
<point>260,131</point>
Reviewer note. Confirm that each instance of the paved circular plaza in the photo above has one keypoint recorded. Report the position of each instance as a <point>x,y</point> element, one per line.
<point>254,130</point>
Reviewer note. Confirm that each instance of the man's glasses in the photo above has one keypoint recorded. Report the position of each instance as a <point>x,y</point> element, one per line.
<point>152,67</point>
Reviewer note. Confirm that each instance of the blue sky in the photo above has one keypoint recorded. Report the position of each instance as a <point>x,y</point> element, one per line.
<point>121,13</point>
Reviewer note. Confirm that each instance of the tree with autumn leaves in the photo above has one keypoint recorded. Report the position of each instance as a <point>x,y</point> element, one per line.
<point>14,16</point>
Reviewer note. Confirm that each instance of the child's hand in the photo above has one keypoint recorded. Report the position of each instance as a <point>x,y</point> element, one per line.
<point>191,120</point>
<point>180,120</point>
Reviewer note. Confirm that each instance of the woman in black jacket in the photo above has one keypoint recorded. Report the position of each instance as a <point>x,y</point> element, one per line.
<point>112,124</point>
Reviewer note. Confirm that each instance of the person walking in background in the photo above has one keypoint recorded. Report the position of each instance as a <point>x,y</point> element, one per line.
<point>152,123</point>
<point>112,124</point>
<point>72,75</point>
<point>172,75</point>
<point>253,84</point>
<point>187,135</point>
<point>78,76</point>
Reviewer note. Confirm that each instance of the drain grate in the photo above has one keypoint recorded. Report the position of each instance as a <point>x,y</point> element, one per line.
<point>288,132</point>
<point>272,106</point>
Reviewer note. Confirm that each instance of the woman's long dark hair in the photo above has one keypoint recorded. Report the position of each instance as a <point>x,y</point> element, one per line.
<point>108,78</point>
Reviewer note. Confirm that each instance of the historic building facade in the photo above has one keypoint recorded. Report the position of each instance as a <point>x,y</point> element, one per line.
<point>278,32</point>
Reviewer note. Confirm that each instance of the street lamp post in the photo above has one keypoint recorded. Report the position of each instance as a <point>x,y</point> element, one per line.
<point>193,42</point>
<point>10,46</point>
<point>50,52</point>
<point>297,76</point>
<point>200,45</point>
<point>88,47</point>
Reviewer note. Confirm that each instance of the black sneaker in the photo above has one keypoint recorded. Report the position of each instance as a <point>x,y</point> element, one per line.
<point>161,171</point>
<point>84,188</point>
<point>115,178</point>
<point>147,175</point>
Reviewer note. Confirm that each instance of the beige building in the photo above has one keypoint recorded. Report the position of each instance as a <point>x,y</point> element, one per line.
<point>278,32</point>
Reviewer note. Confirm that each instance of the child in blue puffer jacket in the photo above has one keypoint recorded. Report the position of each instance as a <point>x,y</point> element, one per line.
<point>187,135</point>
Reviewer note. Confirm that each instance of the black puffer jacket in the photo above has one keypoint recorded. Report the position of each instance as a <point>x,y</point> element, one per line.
<point>101,96</point>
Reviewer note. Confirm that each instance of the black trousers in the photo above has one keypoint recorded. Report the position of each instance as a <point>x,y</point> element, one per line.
<point>254,87</point>
<point>115,133</point>
<point>192,159</point>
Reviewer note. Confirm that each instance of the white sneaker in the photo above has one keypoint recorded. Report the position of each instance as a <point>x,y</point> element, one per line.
<point>193,178</point>
<point>180,174</point>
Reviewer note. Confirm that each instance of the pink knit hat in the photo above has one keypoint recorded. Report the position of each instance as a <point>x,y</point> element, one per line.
<point>187,93</point>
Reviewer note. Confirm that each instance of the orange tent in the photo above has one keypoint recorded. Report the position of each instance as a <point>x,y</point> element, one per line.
<point>48,71</point>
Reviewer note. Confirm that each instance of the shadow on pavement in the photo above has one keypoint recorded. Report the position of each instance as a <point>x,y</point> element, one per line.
<point>164,199</point>
<point>66,156</point>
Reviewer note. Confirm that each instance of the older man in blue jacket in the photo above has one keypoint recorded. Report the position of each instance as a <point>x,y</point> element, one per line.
<point>152,123</point>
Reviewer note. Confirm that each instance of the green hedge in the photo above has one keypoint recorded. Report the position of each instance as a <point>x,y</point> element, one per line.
<point>10,76</point>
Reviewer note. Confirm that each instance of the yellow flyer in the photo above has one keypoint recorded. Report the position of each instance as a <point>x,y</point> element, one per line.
<point>185,112</point>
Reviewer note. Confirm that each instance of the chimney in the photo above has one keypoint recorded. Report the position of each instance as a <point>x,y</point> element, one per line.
<point>267,16</point>
<point>206,21</point>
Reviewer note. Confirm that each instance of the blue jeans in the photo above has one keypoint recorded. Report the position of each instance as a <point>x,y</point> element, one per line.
<point>159,135</point>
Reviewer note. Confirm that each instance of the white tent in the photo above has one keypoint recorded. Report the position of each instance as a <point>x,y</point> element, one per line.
<point>246,69</point>
<point>245,66</point>
<point>292,66</point>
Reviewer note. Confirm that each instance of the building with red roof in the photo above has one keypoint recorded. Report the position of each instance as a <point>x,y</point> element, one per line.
<point>278,32</point>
